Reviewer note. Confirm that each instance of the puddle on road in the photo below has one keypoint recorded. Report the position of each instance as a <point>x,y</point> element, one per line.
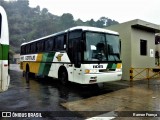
<point>71,92</point>
<point>52,94</point>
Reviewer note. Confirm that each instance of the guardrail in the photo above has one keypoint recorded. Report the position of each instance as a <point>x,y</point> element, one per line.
<point>143,73</point>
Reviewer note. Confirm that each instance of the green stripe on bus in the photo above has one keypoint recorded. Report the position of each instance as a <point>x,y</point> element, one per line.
<point>112,66</point>
<point>45,66</point>
<point>4,49</point>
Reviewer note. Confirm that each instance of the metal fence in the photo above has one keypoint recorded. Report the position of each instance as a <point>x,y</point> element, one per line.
<point>143,73</point>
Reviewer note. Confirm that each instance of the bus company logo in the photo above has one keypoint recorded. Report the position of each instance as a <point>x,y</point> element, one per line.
<point>97,66</point>
<point>59,56</point>
<point>6,114</point>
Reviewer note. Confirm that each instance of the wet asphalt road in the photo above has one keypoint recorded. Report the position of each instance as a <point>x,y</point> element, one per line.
<point>77,102</point>
<point>45,94</point>
<point>39,95</point>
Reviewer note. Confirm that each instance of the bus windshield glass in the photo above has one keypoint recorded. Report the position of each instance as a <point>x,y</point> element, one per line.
<point>102,47</point>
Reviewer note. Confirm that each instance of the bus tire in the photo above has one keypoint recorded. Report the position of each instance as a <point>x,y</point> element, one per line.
<point>27,74</point>
<point>63,76</point>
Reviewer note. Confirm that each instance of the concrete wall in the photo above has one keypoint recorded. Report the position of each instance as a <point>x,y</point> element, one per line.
<point>142,61</point>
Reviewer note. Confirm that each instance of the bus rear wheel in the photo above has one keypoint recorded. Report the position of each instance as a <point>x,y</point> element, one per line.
<point>63,77</point>
<point>27,74</point>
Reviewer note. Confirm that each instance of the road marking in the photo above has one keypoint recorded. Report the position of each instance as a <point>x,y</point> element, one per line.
<point>103,116</point>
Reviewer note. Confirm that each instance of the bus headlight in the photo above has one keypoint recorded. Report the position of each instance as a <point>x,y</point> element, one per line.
<point>88,71</point>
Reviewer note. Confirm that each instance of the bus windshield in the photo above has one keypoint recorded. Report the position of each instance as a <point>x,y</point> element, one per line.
<point>102,47</point>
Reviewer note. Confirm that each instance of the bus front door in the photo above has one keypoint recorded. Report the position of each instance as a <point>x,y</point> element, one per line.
<point>77,61</point>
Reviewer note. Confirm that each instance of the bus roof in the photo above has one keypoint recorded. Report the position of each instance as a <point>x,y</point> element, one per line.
<point>94,29</point>
<point>83,28</point>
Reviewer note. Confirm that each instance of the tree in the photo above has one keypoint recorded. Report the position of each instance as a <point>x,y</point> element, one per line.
<point>67,20</point>
<point>100,24</point>
<point>91,23</point>
<point>79,22</point>
<point>32,23</point>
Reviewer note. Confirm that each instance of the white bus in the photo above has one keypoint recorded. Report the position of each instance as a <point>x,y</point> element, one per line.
<point>84,55</point>
<point>4,51</point>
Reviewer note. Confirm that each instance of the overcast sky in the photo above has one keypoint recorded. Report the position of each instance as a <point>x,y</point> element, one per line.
<point>119,10</point>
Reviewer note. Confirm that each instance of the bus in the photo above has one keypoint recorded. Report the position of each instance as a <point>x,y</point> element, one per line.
<point>4,51</point>
<point>84,55</point>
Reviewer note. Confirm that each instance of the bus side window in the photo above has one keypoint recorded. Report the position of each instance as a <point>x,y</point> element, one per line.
<point>22,50</point>
<point>39,46</point>
<point>49,44</point>
<point>0,24</point>
<point>33,47</point>
<point>59,42</point>
<point>28,49</point>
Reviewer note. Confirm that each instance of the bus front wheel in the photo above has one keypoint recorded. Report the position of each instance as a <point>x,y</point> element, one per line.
<point>63,77</point>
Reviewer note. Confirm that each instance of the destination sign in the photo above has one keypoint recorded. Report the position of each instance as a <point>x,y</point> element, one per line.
<point>28,58</point>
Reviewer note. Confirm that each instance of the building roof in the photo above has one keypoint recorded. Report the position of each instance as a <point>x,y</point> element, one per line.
<point>138,24</point>
<point>143,25</point>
